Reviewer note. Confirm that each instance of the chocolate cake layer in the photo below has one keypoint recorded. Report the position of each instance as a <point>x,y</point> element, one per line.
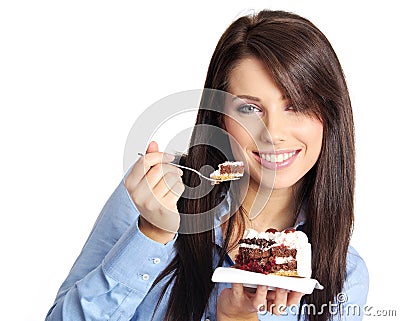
<point>260,242</point>
<point>280,251</point>
<point>227,168</point>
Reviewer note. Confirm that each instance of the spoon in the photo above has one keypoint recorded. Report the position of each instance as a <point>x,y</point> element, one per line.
<point>213,180</point>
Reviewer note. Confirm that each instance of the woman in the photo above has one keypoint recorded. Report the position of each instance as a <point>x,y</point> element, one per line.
<point>135,266</point>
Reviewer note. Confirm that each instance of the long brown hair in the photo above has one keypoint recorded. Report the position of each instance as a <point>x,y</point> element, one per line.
<point>306,68</point>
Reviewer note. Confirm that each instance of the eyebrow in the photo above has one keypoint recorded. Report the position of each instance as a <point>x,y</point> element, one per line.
<point>253,98</point>
<point>246,97</point>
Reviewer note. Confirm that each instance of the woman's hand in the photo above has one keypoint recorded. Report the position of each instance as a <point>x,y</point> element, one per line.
<point>237,303</point>
<point>155,187</point>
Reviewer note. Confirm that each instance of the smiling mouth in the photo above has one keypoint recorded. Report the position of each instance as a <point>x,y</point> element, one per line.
<point>276,157</point>
<point>276,160</point>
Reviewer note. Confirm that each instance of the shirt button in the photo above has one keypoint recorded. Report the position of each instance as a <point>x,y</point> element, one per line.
<point>207,319</point>
<point>145,277</point>
<point>156,260</point>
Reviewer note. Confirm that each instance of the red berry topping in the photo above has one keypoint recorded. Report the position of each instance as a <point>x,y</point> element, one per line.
<point>271,230</point>
<point>291,230</point>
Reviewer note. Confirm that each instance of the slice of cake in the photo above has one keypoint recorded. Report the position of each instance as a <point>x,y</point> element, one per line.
<point>286,253</point>
<point>228,170</point>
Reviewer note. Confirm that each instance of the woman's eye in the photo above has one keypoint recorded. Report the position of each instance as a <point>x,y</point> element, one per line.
<point>290,108</point>
<point>249,109</point>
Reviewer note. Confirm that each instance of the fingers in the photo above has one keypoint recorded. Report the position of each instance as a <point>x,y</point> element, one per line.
<point>155,175</point>
<point>163,182</point>
<point>237,290</point>
<point>143,165</point>
<point>241,303</point>
<point>167,189</point>
<point>260,299</point>
<point>280,302</point>
<point>155,188</point>
<point>257,298</point>
<point>153,147</point>
<point>271,296</point>
<point>279,299</point>
<point>176,189</point>
<point>294,297</point>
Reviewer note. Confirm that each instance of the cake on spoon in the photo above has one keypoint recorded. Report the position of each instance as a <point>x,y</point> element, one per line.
<point>228,170</point>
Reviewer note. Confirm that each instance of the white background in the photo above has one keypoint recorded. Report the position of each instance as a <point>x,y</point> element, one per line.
<point>74,75</point>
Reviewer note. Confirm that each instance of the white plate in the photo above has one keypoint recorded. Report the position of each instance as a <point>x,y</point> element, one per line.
<point>251,279</point>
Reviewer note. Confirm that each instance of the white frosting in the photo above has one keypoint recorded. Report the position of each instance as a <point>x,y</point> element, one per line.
<point>218,174</point>
<point>293,240</point>
<point>268,235</point>
<point>250,246</point>
<point>282,260</point>
<point>235,163</point>
<point>250,234</point>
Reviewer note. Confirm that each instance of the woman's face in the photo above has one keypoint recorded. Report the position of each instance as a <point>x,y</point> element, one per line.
<point>269,134</point>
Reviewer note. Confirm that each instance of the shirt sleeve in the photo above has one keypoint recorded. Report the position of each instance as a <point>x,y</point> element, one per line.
<point>115,269</point>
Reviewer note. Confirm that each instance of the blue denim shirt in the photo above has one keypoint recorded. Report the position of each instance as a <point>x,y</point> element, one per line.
<point>112,277</point>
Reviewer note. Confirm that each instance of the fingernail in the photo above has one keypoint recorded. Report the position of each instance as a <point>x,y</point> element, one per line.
<point>180,172</point>
<point>263,287</point>
<point>282,290</point>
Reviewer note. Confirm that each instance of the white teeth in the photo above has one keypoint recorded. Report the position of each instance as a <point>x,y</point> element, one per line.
<point>277,158</point>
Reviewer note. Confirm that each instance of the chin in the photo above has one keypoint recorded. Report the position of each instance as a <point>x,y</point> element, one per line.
<point>281,184</point>
<point>281,187</point>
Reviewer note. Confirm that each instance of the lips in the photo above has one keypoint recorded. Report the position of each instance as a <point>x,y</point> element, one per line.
<point>276,160</point>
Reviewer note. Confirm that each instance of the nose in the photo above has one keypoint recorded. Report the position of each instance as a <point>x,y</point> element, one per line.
<point>274,131</point>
